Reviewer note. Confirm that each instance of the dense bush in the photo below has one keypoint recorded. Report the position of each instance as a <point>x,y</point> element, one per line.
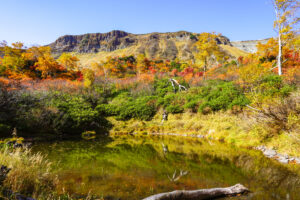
<point>142,108</point>
<point>33,112</point>
<point>172,103</point>
<point>75,114</point>
<point>174,109</point>
<point>162,87</point>
<point>15,106</point>
<point>215,95</point>
<point>108,110</point>
<point>273,85</point>
<point>221,95</point>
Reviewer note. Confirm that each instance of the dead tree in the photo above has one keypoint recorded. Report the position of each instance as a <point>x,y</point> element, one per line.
<point>174,82</point>
<point>164,116</point>
<point>200,194</point>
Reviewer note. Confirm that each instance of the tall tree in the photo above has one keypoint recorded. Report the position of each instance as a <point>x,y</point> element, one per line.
<point>12,59</point>
<point>47,65</point>
<point>209,50</point>
<point>286,18</point>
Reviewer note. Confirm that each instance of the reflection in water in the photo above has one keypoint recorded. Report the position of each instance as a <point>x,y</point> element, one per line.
<point>134,167</point>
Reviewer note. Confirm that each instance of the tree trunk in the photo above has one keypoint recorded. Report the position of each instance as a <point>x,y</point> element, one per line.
<point>279,59</point>
<point>200,194</point>
<point>279,27</point>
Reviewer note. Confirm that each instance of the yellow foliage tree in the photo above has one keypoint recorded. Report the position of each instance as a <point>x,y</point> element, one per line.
<point>33,53</point>
<point>12,59</point>
<point>89,77</point>
<point>69,61</point>
<point>47,65</point>
<point>286,18</point>
<point>209,50</point>
<point>252,73</point>
<point>141,64</point>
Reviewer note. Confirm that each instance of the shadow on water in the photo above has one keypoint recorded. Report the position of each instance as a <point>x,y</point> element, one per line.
<point>134,167</point>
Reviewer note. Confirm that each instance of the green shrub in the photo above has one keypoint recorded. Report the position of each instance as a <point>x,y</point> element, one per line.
<point>166,100</point>
<point>145,108</point>
<point>172,103</point>
<point>273,85</point>
<point>108,110</point>
<point>15,107</point>
<point>78,115</point>
<point>142,108</point>
<point>221,95</point>
<point>174,109</point>
<point>192,105</point>
<point>162,87</point>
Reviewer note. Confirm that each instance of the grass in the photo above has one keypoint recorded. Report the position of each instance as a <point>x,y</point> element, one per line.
<point>86,59</point>
<point>234,51</point>
<point>30,173</point>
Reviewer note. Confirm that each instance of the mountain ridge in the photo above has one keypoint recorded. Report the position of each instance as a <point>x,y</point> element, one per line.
<point>155,45</point>
<point>168,45</point>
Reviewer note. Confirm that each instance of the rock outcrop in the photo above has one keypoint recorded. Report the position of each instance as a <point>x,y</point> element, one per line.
<point>153,45</point>
<point>271,153</point>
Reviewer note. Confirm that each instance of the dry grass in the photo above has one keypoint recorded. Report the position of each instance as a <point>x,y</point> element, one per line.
<point>30,173</point>
<point>234,51</point>
<point>87,59</point>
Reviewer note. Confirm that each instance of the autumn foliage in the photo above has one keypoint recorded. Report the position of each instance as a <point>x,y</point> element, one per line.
<point>20,63</point>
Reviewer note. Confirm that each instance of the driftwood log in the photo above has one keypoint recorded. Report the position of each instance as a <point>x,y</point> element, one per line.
<point>200,194</point>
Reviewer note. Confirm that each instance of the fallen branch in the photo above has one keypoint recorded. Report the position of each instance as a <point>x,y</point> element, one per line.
<point>200,194</point>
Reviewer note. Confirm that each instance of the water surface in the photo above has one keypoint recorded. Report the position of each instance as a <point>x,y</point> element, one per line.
<point>134,167</point>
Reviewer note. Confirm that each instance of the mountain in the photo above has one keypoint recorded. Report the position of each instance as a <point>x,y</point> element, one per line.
<point>94,47</point>
<point>154,45</point>
<point>248,45</point>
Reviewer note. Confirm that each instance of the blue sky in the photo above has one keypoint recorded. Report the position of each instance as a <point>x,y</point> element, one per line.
<point>43,21</point>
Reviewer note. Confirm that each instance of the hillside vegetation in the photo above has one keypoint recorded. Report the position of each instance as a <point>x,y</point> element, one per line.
<point>40,94</point>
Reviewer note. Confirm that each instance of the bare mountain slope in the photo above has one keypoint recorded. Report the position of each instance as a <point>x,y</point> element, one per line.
<point>248,45</point>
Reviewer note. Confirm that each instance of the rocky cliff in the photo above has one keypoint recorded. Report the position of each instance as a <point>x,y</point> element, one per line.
<point>153,45</point>
<point>248,45</point>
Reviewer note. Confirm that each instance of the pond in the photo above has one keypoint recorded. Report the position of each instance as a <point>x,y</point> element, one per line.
<point>134,167</point>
